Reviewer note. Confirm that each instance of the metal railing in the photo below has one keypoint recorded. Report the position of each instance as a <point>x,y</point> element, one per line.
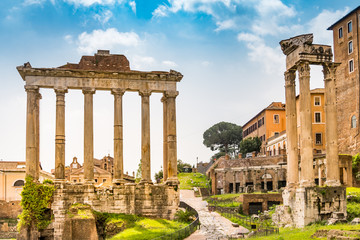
<point>186,231</point>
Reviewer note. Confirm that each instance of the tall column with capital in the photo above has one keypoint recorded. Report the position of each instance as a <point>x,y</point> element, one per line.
<point>118,136</point>
<point>145,136</point>
<point>37,130</point>
<point>306,139</point>
<point>171,137</point>
<point>291,129</point>
<point>31,139</point>
<point>88,135</point>
<point>60,134</point>
<point>332,156</point>
<point>165,134</point>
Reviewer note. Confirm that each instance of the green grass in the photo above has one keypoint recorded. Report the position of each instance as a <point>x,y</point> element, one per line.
<point>148,228</point>
<point>305,233</point>
<point>190,180</point>
<point>353,191</point>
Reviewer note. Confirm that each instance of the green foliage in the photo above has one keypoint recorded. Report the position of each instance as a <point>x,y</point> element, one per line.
<point>250,145</point>
<point>353,210</point>
<point>48,181</point>
<point>159,175</point>
<point>223,136</point>
<point>218,155</point>
<point>35,201</point>
<point>356,166</point>
<point>185,216</point>
<point>190,180</point>
<point>181,166</point>
<point>138,173</point>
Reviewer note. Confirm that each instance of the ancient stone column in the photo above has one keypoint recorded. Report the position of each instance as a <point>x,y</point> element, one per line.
<point>276,180</point>
<point>244,178</point>
<point>88,135</point>
<point>291,129</point>
<point>306,140</point>
<point>265,180</point>
<point>165,134</point>
<point>37,129</point>
<point>320,164</point>
<point>224,182</point>
<point>31,139</point>
<point>60,134</point>
<point>171,137</point>
<point>332,157</point>
<point>118,136</point>
<point>254,179</point>
<point>234,182</point>
<point>145,136</point>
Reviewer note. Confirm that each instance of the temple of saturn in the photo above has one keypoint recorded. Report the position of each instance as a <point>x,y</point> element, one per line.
<point>108,72</point>
<point>304,201</point>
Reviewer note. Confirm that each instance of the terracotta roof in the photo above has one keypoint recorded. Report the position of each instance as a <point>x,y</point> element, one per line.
<point>273,106</point>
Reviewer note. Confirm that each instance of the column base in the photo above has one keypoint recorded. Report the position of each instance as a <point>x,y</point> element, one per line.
<point>144,181</point>
<point>332,183</point>
<point>307,183</point>
<point>173,181</point>
<point>59,180</point>
<point>89,182</point>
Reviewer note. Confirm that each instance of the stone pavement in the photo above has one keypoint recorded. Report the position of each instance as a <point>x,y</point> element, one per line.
<point>213,225</point>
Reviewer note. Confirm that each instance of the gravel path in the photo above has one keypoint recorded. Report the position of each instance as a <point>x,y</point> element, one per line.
<point>213,225</point>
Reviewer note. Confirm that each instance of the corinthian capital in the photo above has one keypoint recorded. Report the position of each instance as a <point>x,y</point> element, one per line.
<point>117,91</point>
<point>171,94</point>
<point>88,90</point>
<point>31,88</point>
<point>145,92</point>
<point>60,90</point>
<point>329,70</point>
<point>290,76</point>
<point>304,69</point>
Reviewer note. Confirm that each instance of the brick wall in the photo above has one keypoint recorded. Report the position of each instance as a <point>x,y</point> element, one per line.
<point>10,209</point>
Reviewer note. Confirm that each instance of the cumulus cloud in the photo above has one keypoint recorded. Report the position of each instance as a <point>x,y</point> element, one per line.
<point>32,2</point>
<point>99,39</point>
<point>104,17</point>
<point>88,3</point>
<point>68,39</point>
<point>142,62</point>
<point>168,63</point>
<point>321,22</point>
<point>132,4</point>
<point>225,25</point>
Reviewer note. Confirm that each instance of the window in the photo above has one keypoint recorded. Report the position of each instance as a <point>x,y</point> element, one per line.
<point>105,166</point>
<point>104,180</point>
<point>353,121</point>
<point>317,117</point>
<point>318,138</point>
<point>340,32</point>
<point>351,65</point>
<point>276,118</point>
<point>19,183</point>
<point>317,101</point>
<point>276,134</point>
<point>349,25</point>
<point>79,179</point>
<point>96,180</point>
<point>74,180</point>
<point>350,47</point>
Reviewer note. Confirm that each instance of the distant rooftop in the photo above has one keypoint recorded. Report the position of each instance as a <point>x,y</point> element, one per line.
<point>341,19</point>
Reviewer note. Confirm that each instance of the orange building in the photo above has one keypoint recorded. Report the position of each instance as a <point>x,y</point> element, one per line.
<point>271,121</point>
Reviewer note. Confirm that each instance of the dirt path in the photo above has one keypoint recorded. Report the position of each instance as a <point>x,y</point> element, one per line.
<point>213,225</point>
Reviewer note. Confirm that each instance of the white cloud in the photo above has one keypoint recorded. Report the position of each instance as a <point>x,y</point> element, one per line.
<point>88,3</point>
<point>321,22</point>
<point>161,11</point>
<point>32,2</point>
<point>104,17</point>
<point>133,6</point>
<point>68,39</point>
<point>168,63</point>
<point>225,25</point>
<point>270,58</point>
<point>99,39</point>
<point>142,62</point>
<point>205,63</point>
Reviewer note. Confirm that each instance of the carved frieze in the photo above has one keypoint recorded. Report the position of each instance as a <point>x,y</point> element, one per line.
<point>289,45</point>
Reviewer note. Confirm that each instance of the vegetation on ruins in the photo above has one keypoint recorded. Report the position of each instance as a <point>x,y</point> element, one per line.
<point>182,165</point>
<point>356,166</point>
<point>353,203</point>
<point>223,136</point>
<point>250,145</point>
<point>35,201</point>
<point>130,227</point>
<point>186,216</point>
<point>191,180</point>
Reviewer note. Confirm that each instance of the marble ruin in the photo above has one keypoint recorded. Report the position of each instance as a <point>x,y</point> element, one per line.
<point>107,72</point>
<point>304,201</point>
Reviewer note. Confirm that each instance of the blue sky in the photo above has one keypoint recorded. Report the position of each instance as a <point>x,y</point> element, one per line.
<point>227,50</point>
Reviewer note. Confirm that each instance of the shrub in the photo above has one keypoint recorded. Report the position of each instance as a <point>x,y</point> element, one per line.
<point>35,201</point>
<point>353,210</point>
<point>185,216</point>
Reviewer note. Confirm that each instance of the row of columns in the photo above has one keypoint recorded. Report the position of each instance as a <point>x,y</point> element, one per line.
<point>170,145</point>
<point>306,140</point>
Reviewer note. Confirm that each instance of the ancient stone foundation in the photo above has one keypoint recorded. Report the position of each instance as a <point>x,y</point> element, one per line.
<point>303,206</point>
<point>140,199</point>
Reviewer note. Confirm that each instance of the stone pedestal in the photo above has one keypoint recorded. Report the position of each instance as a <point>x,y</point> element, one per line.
<point>306,205</point>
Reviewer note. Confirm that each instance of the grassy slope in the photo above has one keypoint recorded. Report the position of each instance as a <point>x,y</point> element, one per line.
<point>190,180</point>
<point>148,229</point>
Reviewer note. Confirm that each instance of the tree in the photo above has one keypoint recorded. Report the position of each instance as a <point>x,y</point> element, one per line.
<point>181,165</point>
<point>138,173</point>
<point>223,136</point>
<point>159,175</point>
<point>250,145</point>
